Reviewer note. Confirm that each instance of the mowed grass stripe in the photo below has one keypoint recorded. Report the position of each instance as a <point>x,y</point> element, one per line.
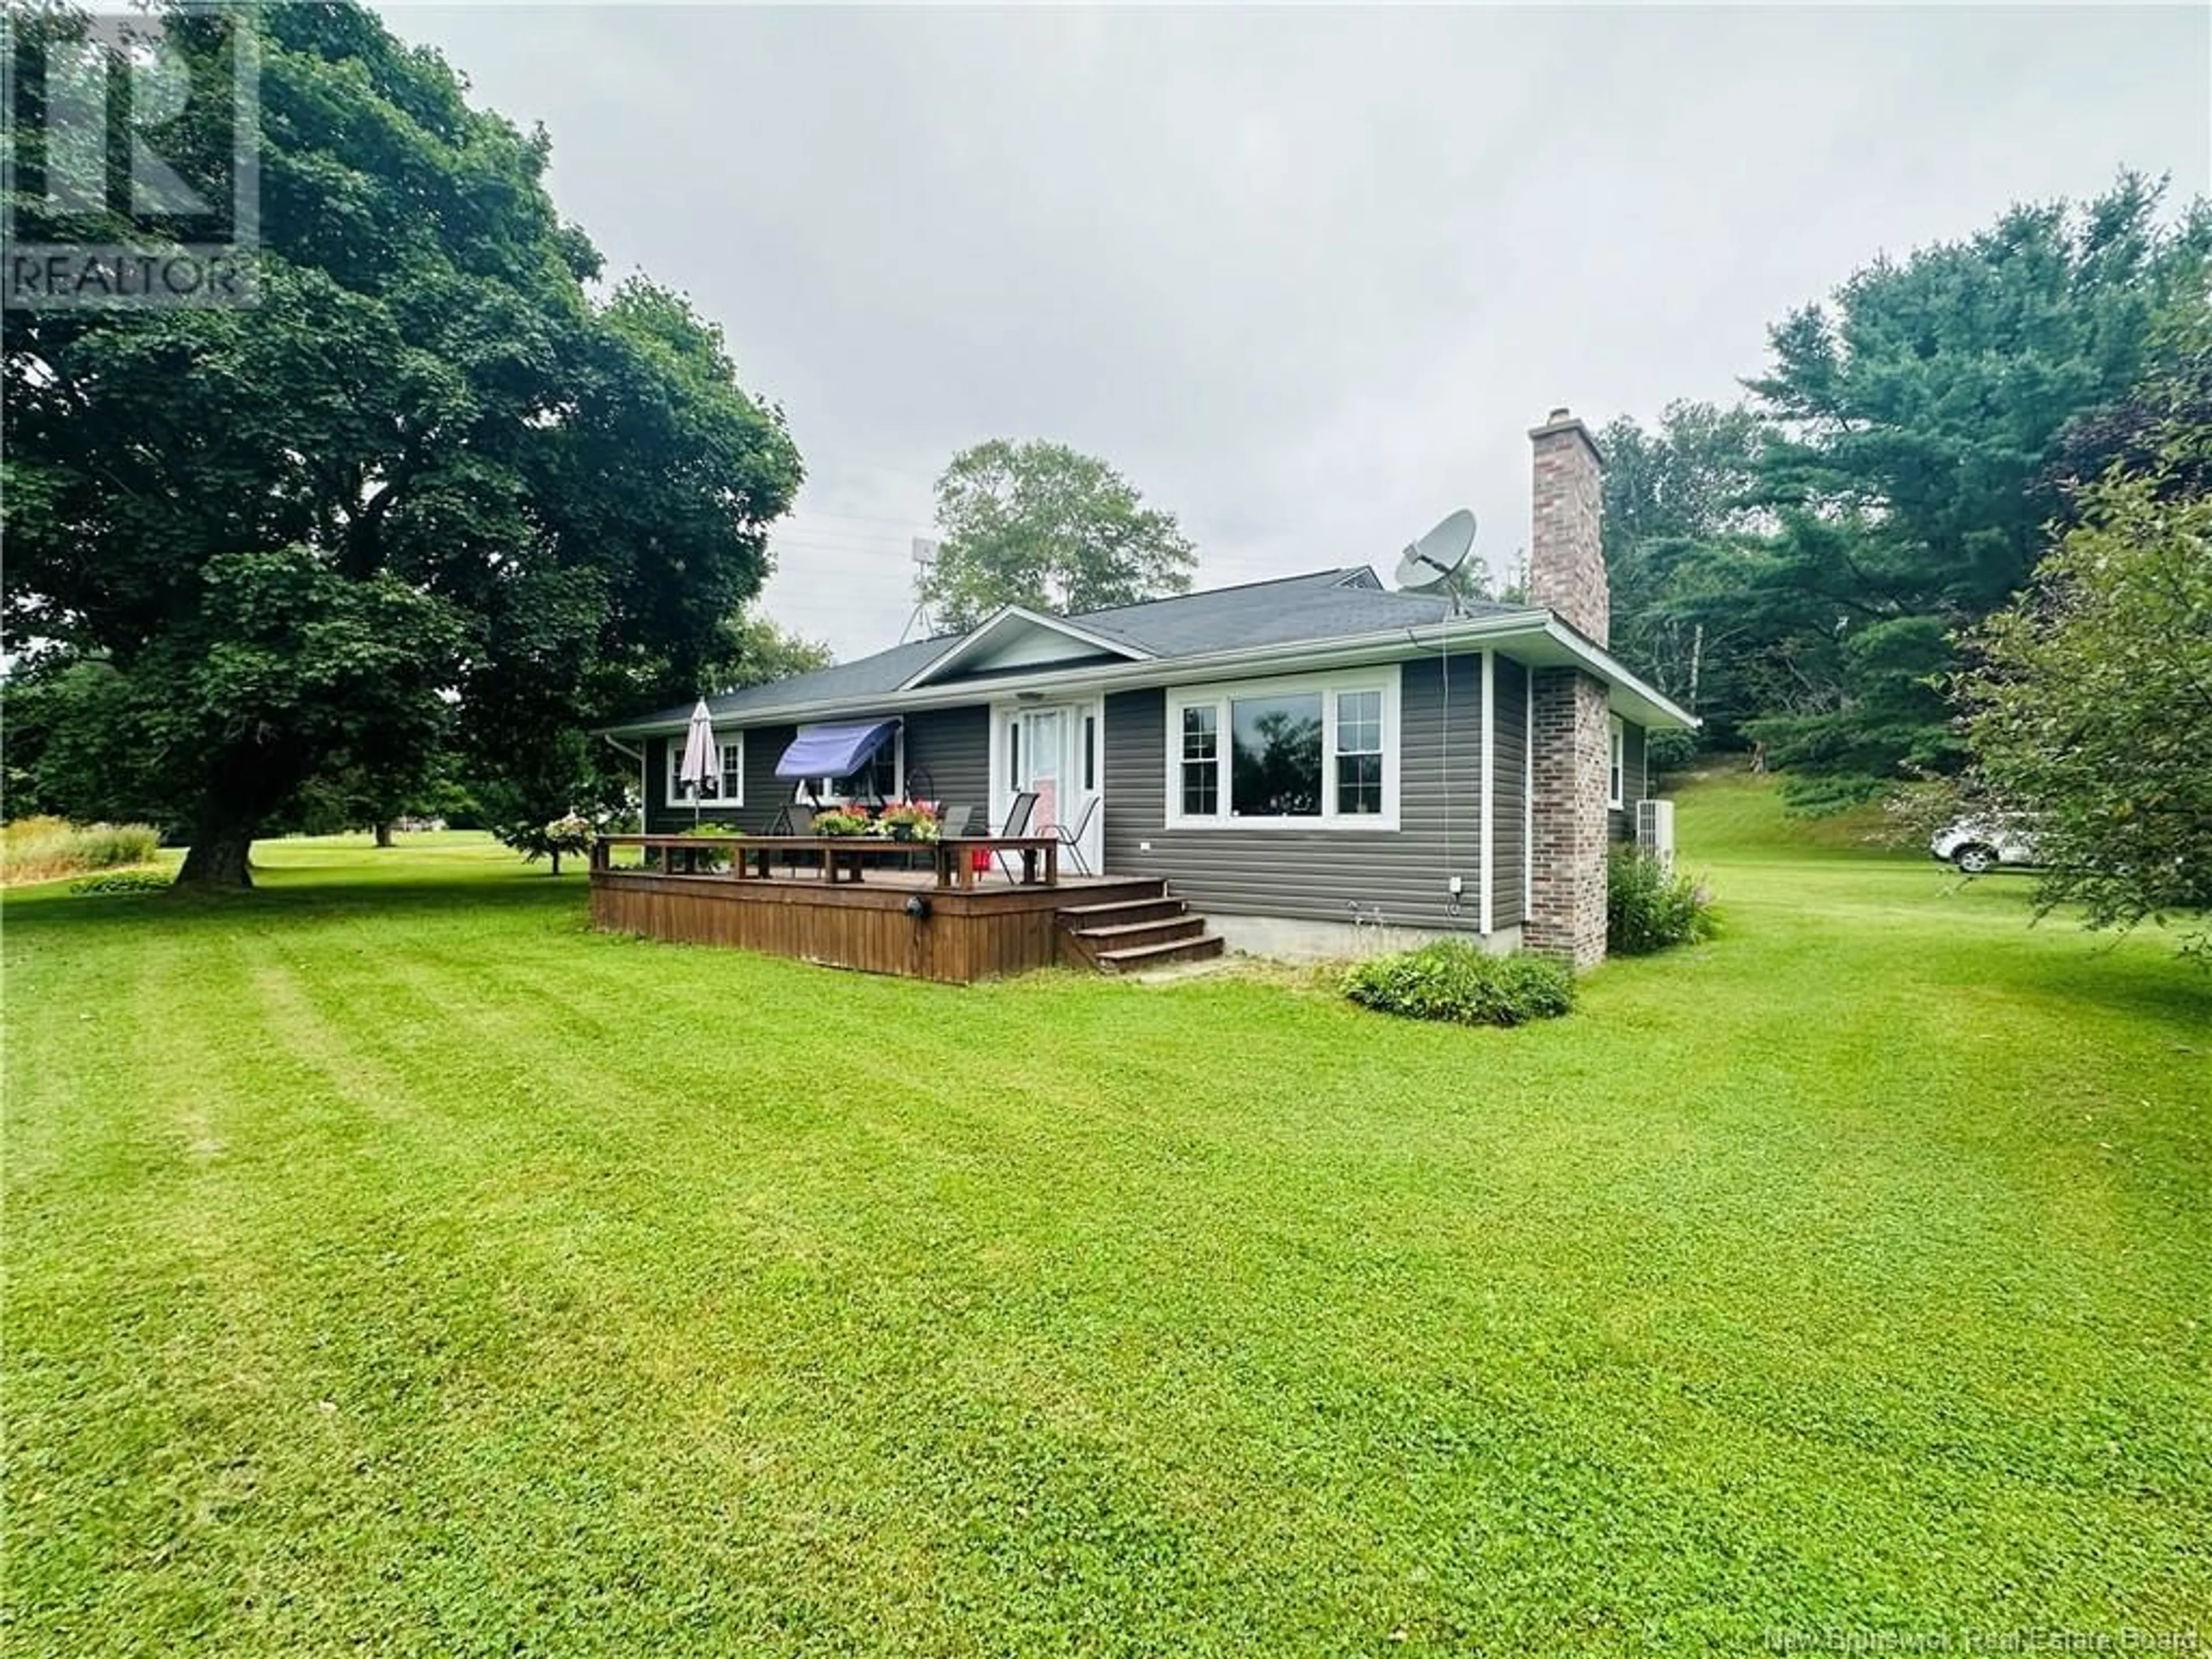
<point>679,1300</point>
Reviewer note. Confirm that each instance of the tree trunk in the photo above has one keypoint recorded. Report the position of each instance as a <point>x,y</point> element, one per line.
<point>556,863</point>
<point>245,785</point>
<point>1697,662</point>
<point>219,853</point>
<point>384,833</point>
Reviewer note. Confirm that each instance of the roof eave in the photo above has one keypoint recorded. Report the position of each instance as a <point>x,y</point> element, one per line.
<point>1654,708</point>
<point>1550,639</point>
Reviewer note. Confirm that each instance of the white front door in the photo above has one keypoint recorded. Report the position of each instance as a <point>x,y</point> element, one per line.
<point>1054,754</point>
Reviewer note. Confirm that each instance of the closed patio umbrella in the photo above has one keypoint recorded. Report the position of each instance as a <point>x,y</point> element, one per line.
<point>703,757</point>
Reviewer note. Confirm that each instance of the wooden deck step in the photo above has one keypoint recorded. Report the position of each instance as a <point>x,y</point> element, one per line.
<point>1156,930</point>
<point>1083,917</point>
<point>1133,958</point>
<point>1130,931</point>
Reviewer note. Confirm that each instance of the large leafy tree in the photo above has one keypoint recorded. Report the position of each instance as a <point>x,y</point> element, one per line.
<point>1043,525</point>
<point>431,489</point>
<point>2090,699</point>
<point>766,651</point>
<point>1917,419</point>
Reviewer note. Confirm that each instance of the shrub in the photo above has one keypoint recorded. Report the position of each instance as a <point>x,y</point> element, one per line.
<point>1453,981</point>
<point>570,833</point>
<point>124,881</point>
<point>1647,908</point>
<point>40,849</point>
<point>109,846</point>
<point>710,858</point>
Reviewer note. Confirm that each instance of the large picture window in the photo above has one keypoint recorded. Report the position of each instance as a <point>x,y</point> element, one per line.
<point>1320,751</point>
<point>726,789</point>
<point>1275,757</point>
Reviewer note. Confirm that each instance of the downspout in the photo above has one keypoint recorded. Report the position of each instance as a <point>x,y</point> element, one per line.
<point>644,783</point>
<point>1527,794</point>
<point>1452,880</point>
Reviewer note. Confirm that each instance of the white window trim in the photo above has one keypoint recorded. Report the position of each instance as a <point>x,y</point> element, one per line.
<point>824,790</point>
<point>1616,763</point>
<point>676,794</point>
<point>1384,678</point>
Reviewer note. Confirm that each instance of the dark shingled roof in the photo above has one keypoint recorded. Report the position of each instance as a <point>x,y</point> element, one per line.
<point>1323,605</point>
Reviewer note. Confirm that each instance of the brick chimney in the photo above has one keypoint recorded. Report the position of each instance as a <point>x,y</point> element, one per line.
<point>1572,735</point>
<point>1566,559</point>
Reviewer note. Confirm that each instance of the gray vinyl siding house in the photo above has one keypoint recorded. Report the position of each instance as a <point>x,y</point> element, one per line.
<point>1315,764</point>
<point>1389,877</point>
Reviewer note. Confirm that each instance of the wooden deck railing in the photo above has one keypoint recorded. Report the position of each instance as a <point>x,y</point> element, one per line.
<point>953,857</point>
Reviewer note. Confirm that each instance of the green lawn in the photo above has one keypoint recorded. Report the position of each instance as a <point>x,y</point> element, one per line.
<point>394,1266</point>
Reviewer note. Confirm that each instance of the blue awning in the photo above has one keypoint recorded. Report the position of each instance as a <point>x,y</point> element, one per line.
<point>833,751</point>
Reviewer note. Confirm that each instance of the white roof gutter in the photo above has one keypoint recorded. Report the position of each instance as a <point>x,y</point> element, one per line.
<point>1546,641</point>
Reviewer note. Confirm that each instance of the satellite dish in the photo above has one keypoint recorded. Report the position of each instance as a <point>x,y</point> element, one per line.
<point>1434,560</point>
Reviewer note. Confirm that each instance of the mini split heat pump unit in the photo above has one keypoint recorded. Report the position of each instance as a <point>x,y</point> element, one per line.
<point>1655,829</point>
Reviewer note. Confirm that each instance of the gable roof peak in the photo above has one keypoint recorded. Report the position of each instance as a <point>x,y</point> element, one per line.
<point>1014,620</point>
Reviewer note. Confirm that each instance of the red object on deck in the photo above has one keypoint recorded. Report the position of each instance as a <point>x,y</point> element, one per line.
<point>979,860</point>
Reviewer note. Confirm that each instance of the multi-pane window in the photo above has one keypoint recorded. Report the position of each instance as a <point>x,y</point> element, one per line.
<point>1311,751</point>
<point>725,786</point>
<point>1201,762</point>
<point>1274,768</point>
<point>1359,752</point>
<point>881,777</point>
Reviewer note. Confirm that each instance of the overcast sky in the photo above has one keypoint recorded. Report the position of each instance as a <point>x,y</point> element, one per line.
<point>1305,277</point>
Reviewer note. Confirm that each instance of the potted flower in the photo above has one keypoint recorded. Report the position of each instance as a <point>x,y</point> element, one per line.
<point>843,821</point>
<point>711,859</point>
<point>910,820</point>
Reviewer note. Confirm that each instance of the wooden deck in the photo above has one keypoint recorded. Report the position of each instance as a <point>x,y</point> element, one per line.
<point>884,921</point>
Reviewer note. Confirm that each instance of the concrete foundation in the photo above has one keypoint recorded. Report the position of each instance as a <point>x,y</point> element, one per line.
<point>1282,939</point>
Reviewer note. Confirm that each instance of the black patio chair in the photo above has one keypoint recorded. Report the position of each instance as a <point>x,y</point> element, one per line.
<point>793,817</point>
<point>1018,823</point>
<point>1071,835</point>
<point>957,820</point>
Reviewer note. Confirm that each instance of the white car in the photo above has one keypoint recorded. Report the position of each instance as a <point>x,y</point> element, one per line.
<point>1977,845</point>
